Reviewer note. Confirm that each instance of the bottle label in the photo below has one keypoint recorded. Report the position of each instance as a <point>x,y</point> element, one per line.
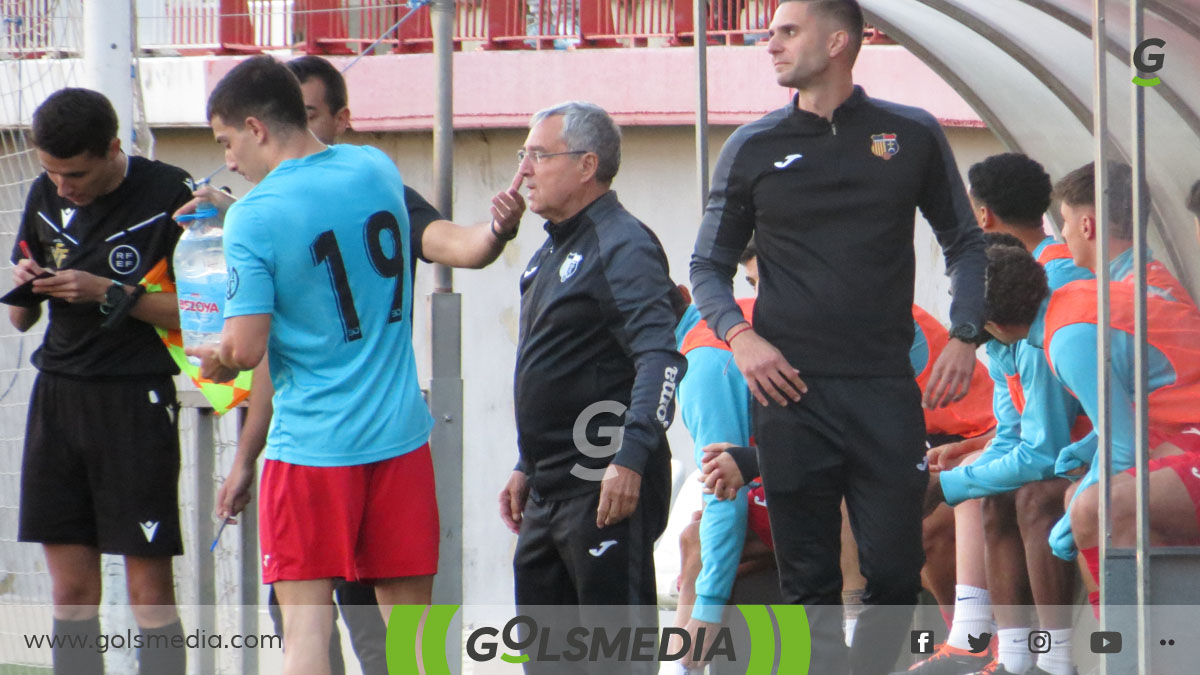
<point>202,306</point>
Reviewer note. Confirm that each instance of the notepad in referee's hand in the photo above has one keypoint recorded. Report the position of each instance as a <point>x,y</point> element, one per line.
<point>24,295</point>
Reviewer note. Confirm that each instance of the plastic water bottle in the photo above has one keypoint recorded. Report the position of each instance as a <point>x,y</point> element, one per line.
<point>200,278</point>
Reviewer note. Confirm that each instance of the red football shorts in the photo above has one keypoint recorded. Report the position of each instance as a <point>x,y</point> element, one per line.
<point>1187,467</point>
<point>756,516</point>
<point>1186,438</point>
<point>363,522</point>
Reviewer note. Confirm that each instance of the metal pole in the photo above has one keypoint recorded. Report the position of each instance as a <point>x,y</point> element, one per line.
<point>446,399</point>
<point>251,573</point>
<point>441,16</point>
<point>108,59</point>
<point>1104,358</point>
<point>1140,381</point>
<point>206,577</point>
<point>700,20</point>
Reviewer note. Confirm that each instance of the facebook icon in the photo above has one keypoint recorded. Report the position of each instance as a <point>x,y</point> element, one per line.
<point>921,642</point>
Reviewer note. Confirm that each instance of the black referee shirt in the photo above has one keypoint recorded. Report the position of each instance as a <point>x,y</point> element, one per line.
<point>831,206</point>
<point>119,236</point>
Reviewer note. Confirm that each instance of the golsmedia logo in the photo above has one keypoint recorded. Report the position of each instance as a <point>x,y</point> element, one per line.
<point>418,637</point>
<point>1146,61</point>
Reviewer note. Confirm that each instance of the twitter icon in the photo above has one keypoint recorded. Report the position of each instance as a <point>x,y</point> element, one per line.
<point>979,644</point>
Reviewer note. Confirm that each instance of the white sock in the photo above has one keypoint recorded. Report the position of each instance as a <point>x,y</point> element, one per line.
<point>848,627</point>
<point>1014,652</point>
<point>972,615</point>
<point>1057,661</point>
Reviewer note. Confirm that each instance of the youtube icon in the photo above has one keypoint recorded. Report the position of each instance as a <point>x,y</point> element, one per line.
<point>1106,642</point>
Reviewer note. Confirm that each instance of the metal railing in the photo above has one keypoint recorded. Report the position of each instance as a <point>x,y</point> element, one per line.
<point>173,27</point>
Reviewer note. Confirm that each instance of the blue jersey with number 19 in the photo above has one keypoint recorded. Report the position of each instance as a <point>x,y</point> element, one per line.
<point>322,245</point>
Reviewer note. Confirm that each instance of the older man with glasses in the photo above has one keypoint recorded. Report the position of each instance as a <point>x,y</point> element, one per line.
<point>594,387</point>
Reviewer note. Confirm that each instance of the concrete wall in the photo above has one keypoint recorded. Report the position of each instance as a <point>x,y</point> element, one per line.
<point>656,182</point>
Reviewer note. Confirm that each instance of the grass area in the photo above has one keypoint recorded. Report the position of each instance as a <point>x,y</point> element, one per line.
<point>11,669</point>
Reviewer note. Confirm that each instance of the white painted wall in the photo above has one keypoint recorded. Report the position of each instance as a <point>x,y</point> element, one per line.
<point>656,183</point>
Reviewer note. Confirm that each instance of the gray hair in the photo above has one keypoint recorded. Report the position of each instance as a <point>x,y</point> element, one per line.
<point>586,126</point>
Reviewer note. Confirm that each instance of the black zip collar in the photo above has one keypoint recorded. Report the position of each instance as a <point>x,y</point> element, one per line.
<point>561,231</point>
<point>807,119</point>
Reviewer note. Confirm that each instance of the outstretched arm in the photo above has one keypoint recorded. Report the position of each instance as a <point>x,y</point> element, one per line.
<point>479,245</point>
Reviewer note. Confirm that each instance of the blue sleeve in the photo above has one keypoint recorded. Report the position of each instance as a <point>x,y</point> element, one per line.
<point>1076,455</point>
<point>955,483</point>
<point>918,354</point>
<point>715,405</point>
<point>1075,346</point>
<point>249,259</point>
<point>1045,427</point>
<point>1008,420</point>
<point>1073,350</point>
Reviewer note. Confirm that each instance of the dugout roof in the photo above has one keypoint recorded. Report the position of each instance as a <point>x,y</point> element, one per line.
<point>1026,66</point>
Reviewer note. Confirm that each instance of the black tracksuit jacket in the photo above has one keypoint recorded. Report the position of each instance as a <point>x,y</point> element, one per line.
<point>596,326</point>
<point>831,206</point>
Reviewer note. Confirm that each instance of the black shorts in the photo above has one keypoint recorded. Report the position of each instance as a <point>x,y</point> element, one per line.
<point>101,465</point>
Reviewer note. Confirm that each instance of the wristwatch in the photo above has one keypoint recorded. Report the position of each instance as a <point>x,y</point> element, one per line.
<point>965,332</point>
<point>114,296</point>
<point>118,312</point>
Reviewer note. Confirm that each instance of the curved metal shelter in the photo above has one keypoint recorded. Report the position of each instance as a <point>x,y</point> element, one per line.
<point>1026,66</point>
<point>1052,85</point>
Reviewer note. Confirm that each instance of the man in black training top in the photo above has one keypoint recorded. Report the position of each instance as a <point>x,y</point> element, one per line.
<point>828,186</point>
<point>100,472</point>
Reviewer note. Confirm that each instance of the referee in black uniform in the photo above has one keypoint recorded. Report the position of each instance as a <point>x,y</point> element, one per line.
<point>100,472</point>
<point>594,389</point>
<point>828,186</point>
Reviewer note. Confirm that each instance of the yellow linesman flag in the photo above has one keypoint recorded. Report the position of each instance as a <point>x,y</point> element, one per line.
<point>223,397</point>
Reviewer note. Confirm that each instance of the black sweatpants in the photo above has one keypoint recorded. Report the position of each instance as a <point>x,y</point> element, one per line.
<point>862,439</point>
<point>569,573</point>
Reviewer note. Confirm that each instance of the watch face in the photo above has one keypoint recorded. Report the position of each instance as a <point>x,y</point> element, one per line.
<point>114,295</point>
<point>965,332</point>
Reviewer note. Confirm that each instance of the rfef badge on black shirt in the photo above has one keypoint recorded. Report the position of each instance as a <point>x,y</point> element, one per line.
<point>119,236</point>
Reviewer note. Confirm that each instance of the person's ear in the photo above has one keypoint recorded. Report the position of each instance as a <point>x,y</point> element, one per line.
<point>113,148</point>
<point>256,126</point>
<point>1087,224</point>
<point>341,121</point>
<point>588,165</point>
<point>986,218</point>
<point>839,42</point>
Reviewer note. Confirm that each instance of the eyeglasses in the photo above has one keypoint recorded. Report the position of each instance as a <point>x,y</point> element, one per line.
<point>537,156</point>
